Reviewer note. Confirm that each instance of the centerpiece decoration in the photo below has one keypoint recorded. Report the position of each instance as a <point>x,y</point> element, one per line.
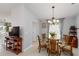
<point>52,35</point>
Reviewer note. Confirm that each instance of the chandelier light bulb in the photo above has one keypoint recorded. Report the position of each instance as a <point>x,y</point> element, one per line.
<point>49,22</point>
<point>54,20</point>
<point>57,21</point>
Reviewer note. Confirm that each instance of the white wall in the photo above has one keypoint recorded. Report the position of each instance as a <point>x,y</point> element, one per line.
<point>5,16</point>
<point>67,23</point>
<point>21,16</point>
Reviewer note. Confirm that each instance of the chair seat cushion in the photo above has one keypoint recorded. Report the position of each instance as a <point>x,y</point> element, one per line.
<point>43,44</point>
<point>67,47</point>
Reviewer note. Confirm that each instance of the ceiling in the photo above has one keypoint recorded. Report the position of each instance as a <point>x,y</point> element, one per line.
<point>44,10</point>
<point>6,7</point>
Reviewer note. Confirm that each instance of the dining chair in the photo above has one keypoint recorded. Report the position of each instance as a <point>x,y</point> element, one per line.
<point>67,48</point>
<point>42,44</point>
<point>53,47</point>
<point>43,36</point>
<point>66,39</point>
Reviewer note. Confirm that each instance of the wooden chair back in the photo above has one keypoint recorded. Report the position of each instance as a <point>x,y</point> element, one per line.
<point>68,42</point>
<point>43,36</point>
<point>41,43</point>
<point>53,44</point>
<point>39,40</point>
<point>66,39</point>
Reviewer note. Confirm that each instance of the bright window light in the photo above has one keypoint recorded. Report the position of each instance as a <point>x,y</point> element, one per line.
<point>56,29</point>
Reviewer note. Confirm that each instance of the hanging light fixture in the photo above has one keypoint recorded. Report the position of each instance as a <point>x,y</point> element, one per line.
<point>54,20</point>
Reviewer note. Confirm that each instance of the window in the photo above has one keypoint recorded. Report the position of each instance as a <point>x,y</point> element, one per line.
<point>55,28</point>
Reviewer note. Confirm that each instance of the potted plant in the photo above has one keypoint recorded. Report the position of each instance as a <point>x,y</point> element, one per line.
<point>53,34</point>
<point>7,25</point>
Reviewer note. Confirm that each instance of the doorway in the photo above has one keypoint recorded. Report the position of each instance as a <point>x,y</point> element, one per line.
<point>35,30</point>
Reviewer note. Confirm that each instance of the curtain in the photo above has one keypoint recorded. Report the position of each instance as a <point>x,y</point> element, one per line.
<point>61,28</point>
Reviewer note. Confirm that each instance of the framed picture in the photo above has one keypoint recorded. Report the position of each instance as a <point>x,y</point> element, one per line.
<point>43,25</point>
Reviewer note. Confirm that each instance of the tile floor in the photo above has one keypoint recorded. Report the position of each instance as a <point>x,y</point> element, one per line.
<point>33,51</point>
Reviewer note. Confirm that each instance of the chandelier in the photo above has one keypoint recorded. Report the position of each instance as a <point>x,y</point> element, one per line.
<point>54,20</point>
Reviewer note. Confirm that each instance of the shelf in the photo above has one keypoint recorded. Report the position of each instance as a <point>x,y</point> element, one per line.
<point>10,43</point>
<point>14,44</point>
<point>73,34</point>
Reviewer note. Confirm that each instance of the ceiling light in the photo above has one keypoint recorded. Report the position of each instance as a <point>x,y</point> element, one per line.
<point>57,21</point>
<point>54,20</point>
<point>49,21</point>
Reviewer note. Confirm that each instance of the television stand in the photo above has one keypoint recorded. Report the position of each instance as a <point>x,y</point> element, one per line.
<point>14,44</point>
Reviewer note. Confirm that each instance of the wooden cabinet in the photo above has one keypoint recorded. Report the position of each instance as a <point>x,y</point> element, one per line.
<point>14,44</point>
<point>73,36</point>
<point>74,41</point>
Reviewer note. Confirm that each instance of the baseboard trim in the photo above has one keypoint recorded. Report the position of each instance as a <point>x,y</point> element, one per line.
<point>27,48</point>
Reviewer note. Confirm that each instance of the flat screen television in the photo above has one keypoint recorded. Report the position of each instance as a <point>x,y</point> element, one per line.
<point>15,31</point>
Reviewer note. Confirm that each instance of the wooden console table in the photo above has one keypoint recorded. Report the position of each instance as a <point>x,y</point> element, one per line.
<point>14,44</point>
